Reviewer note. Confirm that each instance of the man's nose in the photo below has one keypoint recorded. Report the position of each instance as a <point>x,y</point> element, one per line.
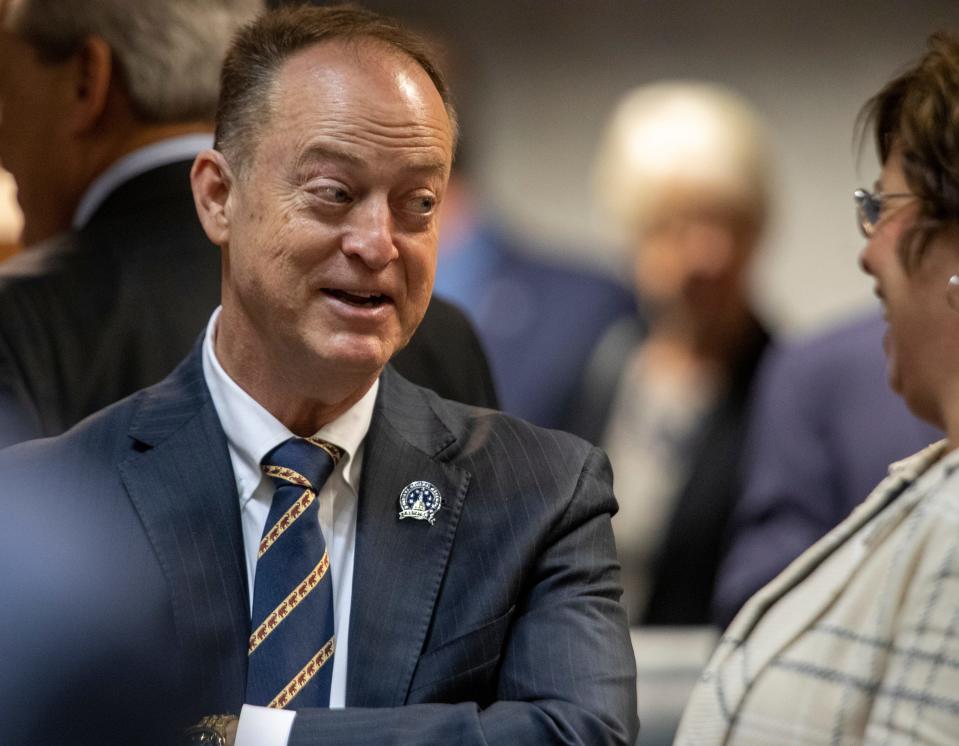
<point>369,236</point>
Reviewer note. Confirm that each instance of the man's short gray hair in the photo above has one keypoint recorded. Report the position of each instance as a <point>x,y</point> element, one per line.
<point>169,51</point>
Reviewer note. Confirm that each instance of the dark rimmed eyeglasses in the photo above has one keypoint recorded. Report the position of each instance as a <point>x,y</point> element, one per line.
<point>869,208</point>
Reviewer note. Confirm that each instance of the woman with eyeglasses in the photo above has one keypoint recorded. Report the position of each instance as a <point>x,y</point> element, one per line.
<point>858,640</point>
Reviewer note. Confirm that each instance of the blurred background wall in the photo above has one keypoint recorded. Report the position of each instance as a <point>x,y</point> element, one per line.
<point>541,76</point>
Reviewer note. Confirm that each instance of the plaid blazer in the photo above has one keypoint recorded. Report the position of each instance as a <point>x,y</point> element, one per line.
<point>857,641</point>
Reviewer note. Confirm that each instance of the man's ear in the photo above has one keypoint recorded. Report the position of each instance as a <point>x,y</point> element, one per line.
<point>212,182</point>
<point>92,73</point>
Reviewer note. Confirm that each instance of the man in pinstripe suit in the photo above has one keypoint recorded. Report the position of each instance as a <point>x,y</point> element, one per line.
<point>485,611</point>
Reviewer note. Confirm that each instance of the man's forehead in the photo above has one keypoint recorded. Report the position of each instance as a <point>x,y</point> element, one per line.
<point>351,60</point>
<point>367,76</point>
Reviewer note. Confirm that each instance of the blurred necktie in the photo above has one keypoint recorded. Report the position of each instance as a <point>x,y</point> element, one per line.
<point>292,644</point>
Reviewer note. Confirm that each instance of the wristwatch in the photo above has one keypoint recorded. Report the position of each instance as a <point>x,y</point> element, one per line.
<point>210,731</point>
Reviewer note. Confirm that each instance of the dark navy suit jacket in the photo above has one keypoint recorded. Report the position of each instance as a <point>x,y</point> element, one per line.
<point>498,624</point>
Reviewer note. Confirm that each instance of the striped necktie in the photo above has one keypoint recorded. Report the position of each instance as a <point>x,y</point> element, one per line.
<point>292,644</point>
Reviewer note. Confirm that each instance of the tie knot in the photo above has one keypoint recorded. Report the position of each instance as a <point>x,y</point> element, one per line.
<point>306,462</point>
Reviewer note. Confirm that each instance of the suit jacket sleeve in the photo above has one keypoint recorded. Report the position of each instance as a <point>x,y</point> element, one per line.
<point>566,674</point>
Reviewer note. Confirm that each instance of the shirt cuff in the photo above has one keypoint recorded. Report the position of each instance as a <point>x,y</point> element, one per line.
<point>264,726</point>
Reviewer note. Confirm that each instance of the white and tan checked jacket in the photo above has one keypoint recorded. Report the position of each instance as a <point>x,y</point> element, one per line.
<point>857,641</point>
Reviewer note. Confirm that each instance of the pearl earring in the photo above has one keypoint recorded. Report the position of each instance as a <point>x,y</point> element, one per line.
<point>952,292</point>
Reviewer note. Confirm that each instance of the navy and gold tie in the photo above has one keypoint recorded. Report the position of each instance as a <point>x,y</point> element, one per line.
<point>292,644</point>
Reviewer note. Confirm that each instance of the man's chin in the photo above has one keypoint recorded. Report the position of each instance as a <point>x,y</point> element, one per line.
<point>359,355</point>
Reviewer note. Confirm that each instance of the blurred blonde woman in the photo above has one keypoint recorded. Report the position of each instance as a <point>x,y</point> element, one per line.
<point>682,173</point>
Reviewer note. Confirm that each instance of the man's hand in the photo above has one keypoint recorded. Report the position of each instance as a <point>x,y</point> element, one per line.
<point>216,730</point>
<point>231,731</point>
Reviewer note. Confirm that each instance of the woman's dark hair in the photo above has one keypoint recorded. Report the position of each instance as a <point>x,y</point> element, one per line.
<point>918,113</point>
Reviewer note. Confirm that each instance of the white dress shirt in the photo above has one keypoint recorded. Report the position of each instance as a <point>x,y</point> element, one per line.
<point>251,433</point>
<point>151,156</point>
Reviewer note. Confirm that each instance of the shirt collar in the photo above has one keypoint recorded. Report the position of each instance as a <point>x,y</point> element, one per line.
<point>912,467</point>
<point>252,432</point>
<point>133,164</point>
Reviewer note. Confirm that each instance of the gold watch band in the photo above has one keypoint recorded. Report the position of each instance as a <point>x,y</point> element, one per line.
<point>210,731</point>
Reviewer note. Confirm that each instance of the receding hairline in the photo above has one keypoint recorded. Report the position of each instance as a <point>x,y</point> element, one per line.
<point>354,44</point>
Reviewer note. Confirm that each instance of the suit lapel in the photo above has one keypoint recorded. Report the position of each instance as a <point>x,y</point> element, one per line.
<point>399,564</point>
<point>180,480</point>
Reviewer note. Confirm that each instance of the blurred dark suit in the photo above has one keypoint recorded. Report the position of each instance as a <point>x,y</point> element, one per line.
<point>684,569</point>
<point>823,430</point>
<point>446,355</point>
<point>96,314</point>
<point>539,320</point>
<point>93,315</point>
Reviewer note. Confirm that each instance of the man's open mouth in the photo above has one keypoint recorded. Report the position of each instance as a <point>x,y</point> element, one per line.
<point>362,300</point>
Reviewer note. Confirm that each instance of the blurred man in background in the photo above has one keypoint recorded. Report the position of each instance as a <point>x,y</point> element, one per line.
<point>683,173</point>
<point>106,103</point>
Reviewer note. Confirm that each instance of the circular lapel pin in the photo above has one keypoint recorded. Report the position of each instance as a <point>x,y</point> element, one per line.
<point>420,500</point>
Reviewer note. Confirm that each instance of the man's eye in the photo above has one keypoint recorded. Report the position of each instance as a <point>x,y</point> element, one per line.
<point>332,193</point>
<point>422,204</point>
